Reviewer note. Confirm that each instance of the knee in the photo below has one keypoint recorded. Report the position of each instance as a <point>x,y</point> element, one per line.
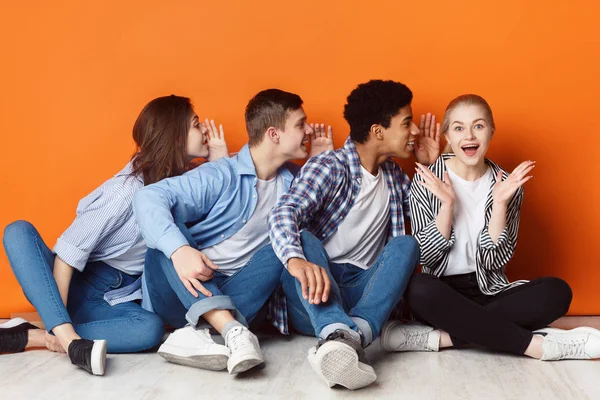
<point>154,259</point>
<point>421,292</point>
<point>408,246</point>
<point>150,328</point>
<point>558,294</point>
<point>14,233</point>
<point>308,239</point>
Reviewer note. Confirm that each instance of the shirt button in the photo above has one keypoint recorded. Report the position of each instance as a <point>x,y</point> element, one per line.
<point>323,235</point>
<point>253,196</point>
<point>222,236</point>
<point>244,221</point>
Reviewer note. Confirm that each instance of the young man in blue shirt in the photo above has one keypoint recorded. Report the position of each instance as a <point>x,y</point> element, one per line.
<point>212,264</point>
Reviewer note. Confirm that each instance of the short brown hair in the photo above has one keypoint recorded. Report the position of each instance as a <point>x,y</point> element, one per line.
<point>269,108</point>
<point>469,100</point>
<point>160,133</point>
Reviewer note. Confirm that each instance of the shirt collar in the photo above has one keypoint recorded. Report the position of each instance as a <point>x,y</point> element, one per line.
<point>349,149</point>
<point>128,170</point>
<point>246,165</point>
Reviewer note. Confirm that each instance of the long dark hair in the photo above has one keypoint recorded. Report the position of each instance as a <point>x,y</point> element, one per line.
<point>160,133</point>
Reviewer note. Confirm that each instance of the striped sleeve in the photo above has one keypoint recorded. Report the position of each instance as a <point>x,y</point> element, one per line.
<point>433,245</point>
<point>495,256</point>
<point>295,208</point>
<point>99,214</point>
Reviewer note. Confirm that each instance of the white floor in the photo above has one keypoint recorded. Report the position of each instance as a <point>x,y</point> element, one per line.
<point>450,374</point>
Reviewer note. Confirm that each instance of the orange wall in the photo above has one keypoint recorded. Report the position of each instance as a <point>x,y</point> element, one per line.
<point>74,75</point>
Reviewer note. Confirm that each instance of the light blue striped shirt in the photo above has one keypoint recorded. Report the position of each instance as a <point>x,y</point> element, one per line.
<point>105,228</point>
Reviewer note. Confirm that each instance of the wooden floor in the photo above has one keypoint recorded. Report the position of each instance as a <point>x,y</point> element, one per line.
<point>449,374</point>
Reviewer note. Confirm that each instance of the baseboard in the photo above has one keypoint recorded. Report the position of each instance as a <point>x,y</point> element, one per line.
<point>566,322</point>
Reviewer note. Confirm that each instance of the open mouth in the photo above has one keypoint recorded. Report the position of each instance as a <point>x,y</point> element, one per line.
<point>410,144</point>
<point>470,149</point>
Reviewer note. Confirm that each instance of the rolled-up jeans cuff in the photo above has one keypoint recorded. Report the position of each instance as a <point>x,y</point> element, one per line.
<point>201,307</point>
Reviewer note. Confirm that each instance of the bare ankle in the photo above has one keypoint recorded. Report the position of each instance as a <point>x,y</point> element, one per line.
<point>35,338</point>
<point>445,340</point>
<point>65,334</point>
<point>535,349</point>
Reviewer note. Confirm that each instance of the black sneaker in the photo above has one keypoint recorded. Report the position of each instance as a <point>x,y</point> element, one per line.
<point>13,335</point>
<point>341,360</point>
<point>89,355</point>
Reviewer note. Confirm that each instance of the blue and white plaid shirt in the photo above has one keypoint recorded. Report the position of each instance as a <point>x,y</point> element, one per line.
<point>321,196</point>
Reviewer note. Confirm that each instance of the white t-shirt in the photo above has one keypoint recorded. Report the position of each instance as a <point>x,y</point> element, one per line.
<point>468,221</point>
<point>132,261</point>
<point>362,235</point>
<point>235,252</point>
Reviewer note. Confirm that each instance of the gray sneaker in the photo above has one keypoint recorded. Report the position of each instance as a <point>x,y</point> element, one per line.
<point>581,343</point>
<point>413,336</point>
<point>340,360</point>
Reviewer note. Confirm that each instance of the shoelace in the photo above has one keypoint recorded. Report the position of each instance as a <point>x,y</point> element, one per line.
<point>572,347</point>
<point>416,338</point>
<point>238,340</point>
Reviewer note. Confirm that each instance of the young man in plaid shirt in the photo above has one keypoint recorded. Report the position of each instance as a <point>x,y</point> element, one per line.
<point>340,231</point>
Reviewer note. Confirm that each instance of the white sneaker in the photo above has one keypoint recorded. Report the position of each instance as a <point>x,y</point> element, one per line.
<point>341,360</point>
<point>245,350</point>
<point>413,336</point>
<point>581,343</point>
<point>194,348</point>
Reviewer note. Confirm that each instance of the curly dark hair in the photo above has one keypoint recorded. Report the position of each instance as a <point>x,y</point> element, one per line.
<point>374,102</point>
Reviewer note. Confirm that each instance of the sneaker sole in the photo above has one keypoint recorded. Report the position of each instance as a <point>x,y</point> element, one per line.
<point>338,364</point>
<point>244,364</point>
<point>213,362</point>
<point>98,357</point>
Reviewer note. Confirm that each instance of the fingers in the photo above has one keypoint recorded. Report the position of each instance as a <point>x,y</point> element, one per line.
<point>426,174</point>
<point>200,288</point>
<point>422,123</point>
<point>221,132</point>
<point>499,177</point>
<point>215,132</point>
<point>447,180</point>
<point>208,263</point>
<point>326,285</point>
<point>437,133</point>
<point>318,293</point>
<point>428,125</point>
<point>303,282</point>
<point>312,284</point>
<point>189,287</point>
<point>329,132</point>
<point>313,135</point>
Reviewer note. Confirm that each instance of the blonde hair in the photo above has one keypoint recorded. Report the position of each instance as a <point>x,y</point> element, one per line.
<point>469,100</point>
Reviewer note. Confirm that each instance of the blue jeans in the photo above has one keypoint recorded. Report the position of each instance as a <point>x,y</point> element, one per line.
<point>243,293</point>
<point>360,299</point>
<point>126,327</point>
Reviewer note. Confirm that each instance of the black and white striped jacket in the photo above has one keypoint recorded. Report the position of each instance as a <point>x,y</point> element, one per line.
<point>491,258</point>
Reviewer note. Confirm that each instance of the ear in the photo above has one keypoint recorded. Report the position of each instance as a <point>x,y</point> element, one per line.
<point>377,131</point>
<point>272,134</point>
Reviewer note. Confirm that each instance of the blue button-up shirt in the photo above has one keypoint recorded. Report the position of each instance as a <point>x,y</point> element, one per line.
<point>213,200</point>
